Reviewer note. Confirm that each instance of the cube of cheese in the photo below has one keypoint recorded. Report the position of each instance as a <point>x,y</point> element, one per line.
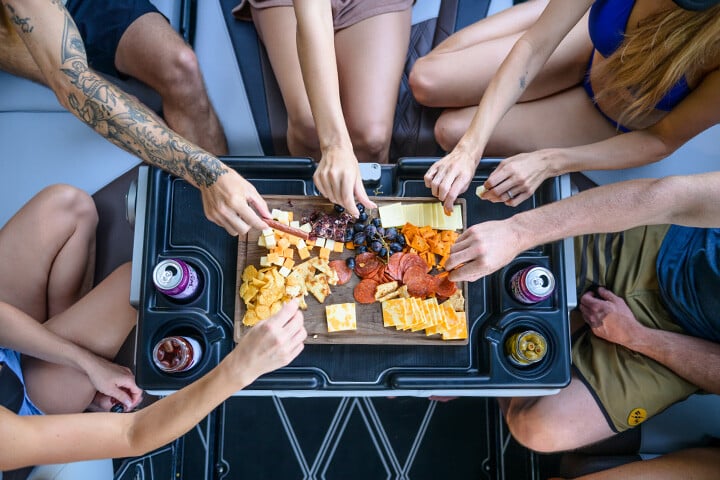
<point>264,262</point>
<point>261,241</point>
<point>306,227</point>
<point>283,243</point>
<point>301,244</point>
<point>320,242</point>
<point>268,232</point>
<point>294,223</point>
<point>284,218</point>
<point>284,271</point>
<point>330,244</point>
<point>279,261</point>
<point>304,253</point>
<point>275,213</point>
<point>339,247</point>
<point>288,263</point>
<point>341,316</point>
<point>288,253</point>
<point>270,242</point>
<point>324,253</point>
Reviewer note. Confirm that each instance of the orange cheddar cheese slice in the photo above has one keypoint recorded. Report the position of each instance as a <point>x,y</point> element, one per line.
<point>393,312</point>
<point>341,316</point>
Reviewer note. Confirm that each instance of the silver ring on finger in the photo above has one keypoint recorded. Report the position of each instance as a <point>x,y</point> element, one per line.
<point>510,194</point>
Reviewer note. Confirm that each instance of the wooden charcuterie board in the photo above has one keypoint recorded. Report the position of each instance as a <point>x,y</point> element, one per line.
<point>370,329</point>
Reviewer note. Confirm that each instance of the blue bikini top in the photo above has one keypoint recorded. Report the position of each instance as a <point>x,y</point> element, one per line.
<point>607,24</point>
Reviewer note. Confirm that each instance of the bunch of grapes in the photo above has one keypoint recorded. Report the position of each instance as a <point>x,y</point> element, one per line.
<point>369,235</point>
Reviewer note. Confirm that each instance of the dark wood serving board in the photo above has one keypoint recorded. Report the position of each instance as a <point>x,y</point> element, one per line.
<point>370,329</point>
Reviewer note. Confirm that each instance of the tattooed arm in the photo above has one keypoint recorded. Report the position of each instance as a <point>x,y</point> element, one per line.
<point>54,42</point>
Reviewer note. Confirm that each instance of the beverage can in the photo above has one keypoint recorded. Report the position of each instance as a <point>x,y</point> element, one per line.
<point>525,348</point>
<point>532,284</point>
<point>177,354</point>
<point>176,279</point>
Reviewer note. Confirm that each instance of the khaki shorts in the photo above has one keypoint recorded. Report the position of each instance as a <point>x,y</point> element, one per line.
<point>345,12</point>
<point>629,387</point>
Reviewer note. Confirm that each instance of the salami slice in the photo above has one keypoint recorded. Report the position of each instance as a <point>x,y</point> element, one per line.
<point>343,271</point>
<point>418,286</point>
<point>414,272</point>
<point>410,259</point>
<point>444,287</point>
<point>366,264</point>
<point>393,265</point>
<point>365,291</point>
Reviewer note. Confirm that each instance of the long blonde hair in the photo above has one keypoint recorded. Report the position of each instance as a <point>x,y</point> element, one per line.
<point>656,55</point>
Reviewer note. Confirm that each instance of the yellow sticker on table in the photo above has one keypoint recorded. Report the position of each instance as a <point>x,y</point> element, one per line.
<point>637,416</point>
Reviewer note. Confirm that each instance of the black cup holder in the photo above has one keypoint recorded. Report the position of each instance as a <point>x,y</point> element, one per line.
<point>184,327</point>
<point>509,302</point>
<point>533,370</point>
<point>199,299</point>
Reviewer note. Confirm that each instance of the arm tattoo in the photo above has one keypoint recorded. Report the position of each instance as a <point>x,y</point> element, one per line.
<point>523,82</point>
<point>127,123</point>
<point>23,23</point>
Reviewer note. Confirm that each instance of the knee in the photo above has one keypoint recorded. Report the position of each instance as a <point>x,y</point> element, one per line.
<point>371,144</point>
<point>422,82</point>
<point>69,200</point>
<point>447,132</point>
<point>181,74</point>
<point>533,431</point>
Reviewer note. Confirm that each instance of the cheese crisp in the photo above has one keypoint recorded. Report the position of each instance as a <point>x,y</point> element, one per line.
<point>341,316</point>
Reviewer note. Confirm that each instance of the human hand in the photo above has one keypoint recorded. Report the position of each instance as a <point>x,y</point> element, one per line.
<point>338,178</point>
<point>609,317</point>
<point>516,178</point>
<point>270,344</point>
<point>113,382</point>
<point>234,204</point>
<point>450,177</point>
<point>482,249</point>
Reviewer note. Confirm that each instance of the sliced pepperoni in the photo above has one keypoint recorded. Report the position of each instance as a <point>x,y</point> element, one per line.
<point>410,259</point>
<point>418,287</point>
<point>444,287</point>
<point>343,271</point>
<point>365,291</point>
<point>414,272</point>
<point>366,264</point>
<point>393,265</point>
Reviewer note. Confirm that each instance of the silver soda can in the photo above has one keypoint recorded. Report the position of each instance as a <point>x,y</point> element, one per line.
<point>177,354</point>
<point>176,279</point>
<point>532,284</point>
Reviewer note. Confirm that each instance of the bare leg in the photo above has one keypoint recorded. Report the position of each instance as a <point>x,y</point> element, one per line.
<point>151,51</point>
<point>47,252</point>
<point>371,57</point>
<point>282,50</point>
<point>457,77</point>
<point>99,322</point>
<point>565,421</point>
<point>695,463</point>
<point>562,120</point>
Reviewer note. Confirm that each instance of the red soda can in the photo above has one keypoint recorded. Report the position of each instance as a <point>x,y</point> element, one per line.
<point>177,354</point>
<point>176,279</point>
<point>532,284</point>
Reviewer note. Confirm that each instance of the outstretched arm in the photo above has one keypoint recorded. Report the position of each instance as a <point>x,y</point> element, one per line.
<point>524,173</point>
<point>338,174</point>
<point>684,200</point>
<point>52,39</point>
<point>450,176</point>
<point>269,345</point>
